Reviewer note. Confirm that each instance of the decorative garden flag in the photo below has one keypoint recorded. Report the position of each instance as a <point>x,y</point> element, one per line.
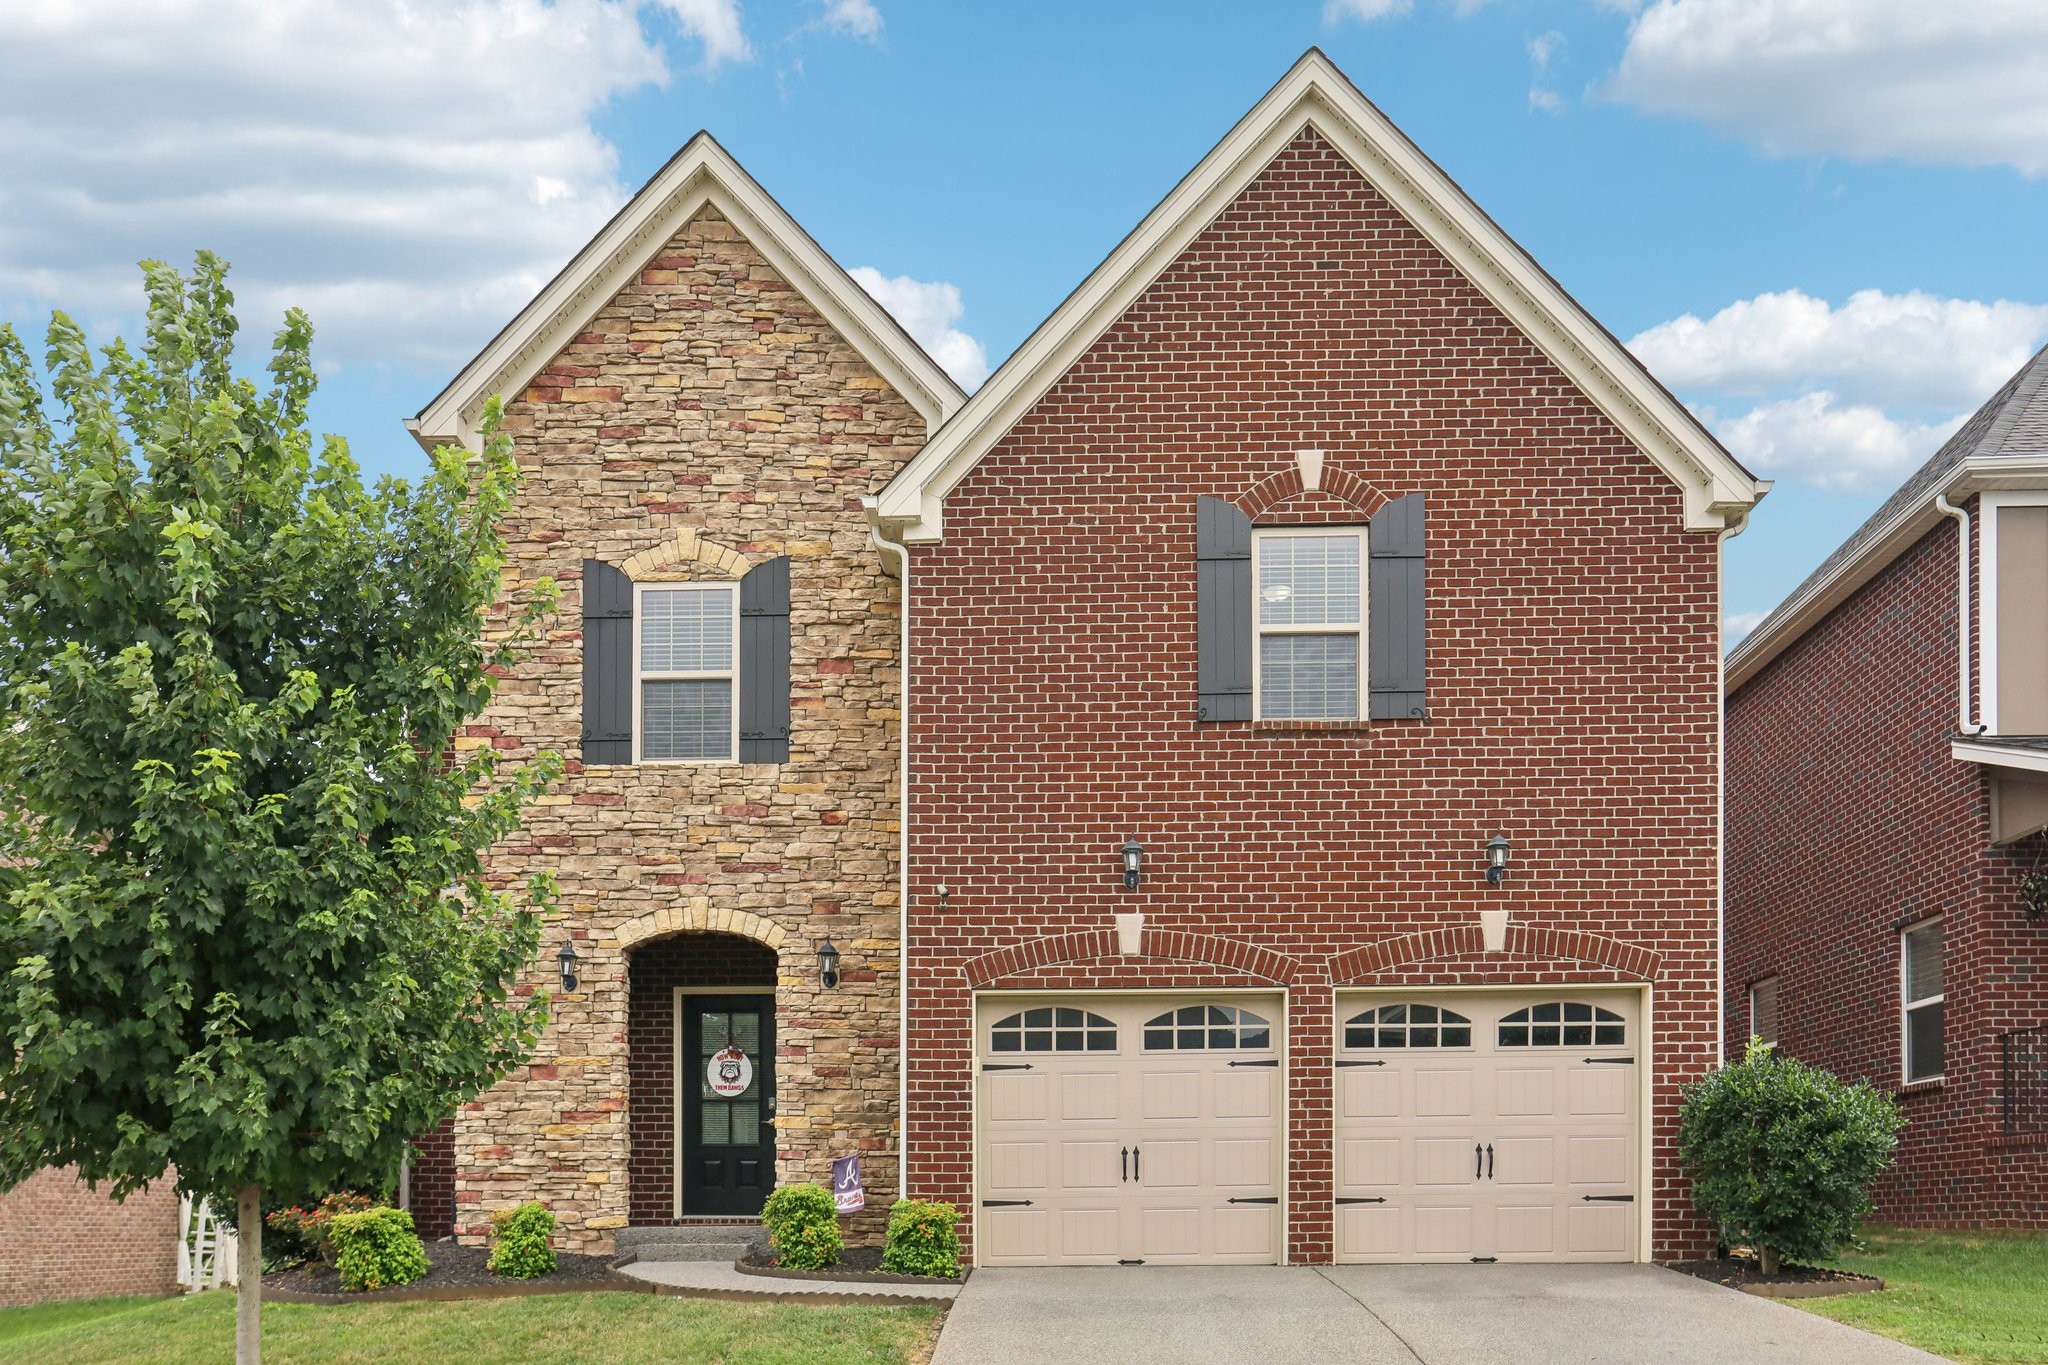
<point>846,1190</point>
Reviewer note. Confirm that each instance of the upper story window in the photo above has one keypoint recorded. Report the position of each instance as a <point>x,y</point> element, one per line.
<point>1198,1027</point>
<point>1921,998</point>
<point>685,663</point>
<point>1763,1009</point>
<point>1309,591</point>
<point>2015,599</point>
<point>1563,1024</point>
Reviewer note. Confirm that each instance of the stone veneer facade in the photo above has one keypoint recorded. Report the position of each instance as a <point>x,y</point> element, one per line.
<point>704,420</point>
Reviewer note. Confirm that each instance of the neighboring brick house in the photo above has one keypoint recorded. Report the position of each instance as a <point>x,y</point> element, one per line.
<point>61,1240</point>
<point>1887,792</point>
<point>1485,548</point>
<point>1317,542</point>
<point>699,402</point>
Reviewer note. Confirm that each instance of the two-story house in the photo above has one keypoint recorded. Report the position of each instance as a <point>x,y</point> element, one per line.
<point>1270,733</point>
<point>1887,794</point>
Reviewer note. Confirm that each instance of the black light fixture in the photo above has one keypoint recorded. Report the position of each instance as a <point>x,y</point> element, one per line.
<point>566,960</point>
<point>828,964</point>
<point>1134,862</point>
<point>1496,859</point>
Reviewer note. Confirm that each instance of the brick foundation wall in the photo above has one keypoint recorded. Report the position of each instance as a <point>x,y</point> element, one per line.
<point>1573,633</point>
<point>656,971</point>
<point>60,1240</point>
<point>709,402</point>
<point>1848,817</point>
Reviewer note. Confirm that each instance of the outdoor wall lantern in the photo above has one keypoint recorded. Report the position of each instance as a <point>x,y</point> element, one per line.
<point>1496,859</point>
<point>828,964</point>
<point>566,960</point>
<point>1134,862</point>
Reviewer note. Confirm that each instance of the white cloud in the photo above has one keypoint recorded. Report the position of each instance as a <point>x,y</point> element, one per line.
<point>1545,101</point>
<point>1954,82</point>
<point>928,310</point>
<point>1910,349</point>
<point>411,174</point>
<point>1819,440</point>
<point>1737,624</point>
<point>1336,11</point>
<point>1543,47</point>
<point>855,18</point>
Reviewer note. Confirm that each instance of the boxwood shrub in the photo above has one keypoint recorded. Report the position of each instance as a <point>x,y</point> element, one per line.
<point>803,1227</point>
<point>376,1249</point>
<point>1782,1154</point>
<point>921,1239</point>
<point>520,1248</point>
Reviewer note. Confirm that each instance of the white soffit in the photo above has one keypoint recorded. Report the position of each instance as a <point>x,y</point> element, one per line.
<point>1718,491</point>
<point>701,173</point>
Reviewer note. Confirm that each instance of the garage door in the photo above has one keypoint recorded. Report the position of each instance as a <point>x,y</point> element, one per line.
<point>1483,1126</point>
<point>1132,1130</point>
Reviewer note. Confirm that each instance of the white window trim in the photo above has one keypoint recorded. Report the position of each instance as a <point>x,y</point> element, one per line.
<point>1754,986</point>
<point>640,591</point>
<point>1907,1006</point>
<point>1260,631</point>
<point>1987,596</point>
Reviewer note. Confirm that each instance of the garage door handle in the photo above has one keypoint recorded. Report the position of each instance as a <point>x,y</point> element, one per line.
<point>1264,1061</point>
<point>1135,1174</point>
<point>1258,1199</point>
<point>1610,1061</point>
<point>1489,1161</point>
<point>1006,1066</point>
<point>1123,1163</point>
<point>1006,1203</point>
<point>1478,1160</point>
<point>1607,1198</point>
<point>1352,1061</point>
<point>1373,1200</point>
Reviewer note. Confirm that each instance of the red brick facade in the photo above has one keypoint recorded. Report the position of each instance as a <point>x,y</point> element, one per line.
<point>60,1240</point>
<point>1847,818</point>
<point>1572,636</point>
<point>430,1186</point>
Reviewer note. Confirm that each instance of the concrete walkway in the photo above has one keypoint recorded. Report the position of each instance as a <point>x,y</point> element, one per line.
<point>1400,1315</point>
<point>718,1280</point>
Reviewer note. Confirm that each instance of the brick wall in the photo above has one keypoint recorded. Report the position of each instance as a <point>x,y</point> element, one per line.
<point>431,1188</point>
<point>1847,817</point>
<point>1573,688</point>
<point>707,404</point>
<point>59,1240</point>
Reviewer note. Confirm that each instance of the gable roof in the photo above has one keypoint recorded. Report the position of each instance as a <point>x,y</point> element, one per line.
<point>701,173</point>
<point>1718,491</point>
<point>2004,441</point>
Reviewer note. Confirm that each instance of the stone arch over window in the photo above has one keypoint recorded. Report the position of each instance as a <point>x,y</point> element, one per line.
<point>1627,960</point>
<point>697,916</point>
<point>1336,480</point>
<point>687,556</point>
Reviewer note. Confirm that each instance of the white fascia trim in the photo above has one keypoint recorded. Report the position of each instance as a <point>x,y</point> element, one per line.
<point>1717,489</point>
<point>1998,756</point>
<point>701,173</point>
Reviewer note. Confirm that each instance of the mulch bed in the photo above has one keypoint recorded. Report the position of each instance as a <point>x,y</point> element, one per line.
<point>857,1265</point>
<point>1791,1282</point>
<point>453,1272</point>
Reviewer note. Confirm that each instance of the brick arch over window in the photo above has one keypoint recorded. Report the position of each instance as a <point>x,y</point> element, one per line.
<point>1173,945</point>
<point>688,551</point>
<point>698,917</point>
<point>1338,482</point>
<point>1523,941</point>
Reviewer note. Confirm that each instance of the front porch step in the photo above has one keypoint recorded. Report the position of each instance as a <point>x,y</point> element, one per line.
<point>692,1241</point>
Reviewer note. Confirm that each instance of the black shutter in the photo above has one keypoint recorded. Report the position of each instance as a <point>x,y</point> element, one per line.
<point>607,664</point>
<point>764,663</point>
<point>1223,610</point>
<point>1394,618</point>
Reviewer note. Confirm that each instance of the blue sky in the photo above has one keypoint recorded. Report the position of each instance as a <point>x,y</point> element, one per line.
<point>1820,221</point>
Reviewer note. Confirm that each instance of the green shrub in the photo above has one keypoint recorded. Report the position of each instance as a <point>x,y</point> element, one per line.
<point>1782,1154</point>
<point>803,1227</point>
<point>921,1239</point>
<point>301,1234</point>
<point>519,1242</point>
<point>376,1249</point>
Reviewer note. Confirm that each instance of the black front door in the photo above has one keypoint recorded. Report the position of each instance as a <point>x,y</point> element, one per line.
<point>726,1141</point>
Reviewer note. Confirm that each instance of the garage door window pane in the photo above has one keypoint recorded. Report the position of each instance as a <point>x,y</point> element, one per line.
<point>1052,1030</point>
<point>1562,1024</point>
<point>1408,1026</point>
<point>1195,1028</point>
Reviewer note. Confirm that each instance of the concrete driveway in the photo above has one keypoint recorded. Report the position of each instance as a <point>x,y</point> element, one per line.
<point>1439,1315</point>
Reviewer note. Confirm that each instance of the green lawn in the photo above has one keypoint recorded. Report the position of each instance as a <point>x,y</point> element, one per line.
<point>1970,1296</point>
<point>611,1329</point>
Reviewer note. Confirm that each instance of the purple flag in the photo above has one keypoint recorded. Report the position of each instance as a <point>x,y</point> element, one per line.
<point>846,1190</point>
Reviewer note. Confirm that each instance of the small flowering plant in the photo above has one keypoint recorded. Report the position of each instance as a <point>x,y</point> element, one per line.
<point>2034,893</point>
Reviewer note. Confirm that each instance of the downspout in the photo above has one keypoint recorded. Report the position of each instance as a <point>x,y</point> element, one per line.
<point>902,555</point>
<point>1721,539</point>
<point>1964,723</point>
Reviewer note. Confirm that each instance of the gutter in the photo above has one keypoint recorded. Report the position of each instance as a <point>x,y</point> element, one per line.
<point>1964,724</point>
<point>897,548</point>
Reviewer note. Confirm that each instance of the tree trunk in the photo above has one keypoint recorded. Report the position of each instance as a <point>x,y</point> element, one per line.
<point>1767,1258</point>
<point>249,1270</point>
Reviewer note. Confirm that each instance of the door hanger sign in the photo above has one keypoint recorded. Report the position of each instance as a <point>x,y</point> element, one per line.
<point>846,1190</point>
<point>729,1072</point>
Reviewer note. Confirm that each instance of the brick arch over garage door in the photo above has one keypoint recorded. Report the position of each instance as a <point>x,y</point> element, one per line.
<point>1626,960</point>
<point>1264,963</point>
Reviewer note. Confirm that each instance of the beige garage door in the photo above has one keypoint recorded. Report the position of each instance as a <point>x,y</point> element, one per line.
<point>1475,1126</point>
<point>1129,1130</point>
